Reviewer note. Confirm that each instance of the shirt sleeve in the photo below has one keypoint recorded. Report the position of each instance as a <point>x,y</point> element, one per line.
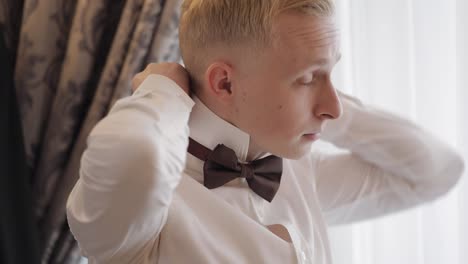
<point>132,164</point>
<point>390,165</point>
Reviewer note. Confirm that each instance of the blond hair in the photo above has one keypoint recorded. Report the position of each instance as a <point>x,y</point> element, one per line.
<point>222,23</point>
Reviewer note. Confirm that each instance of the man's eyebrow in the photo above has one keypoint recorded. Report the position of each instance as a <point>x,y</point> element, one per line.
<point>323,61</point>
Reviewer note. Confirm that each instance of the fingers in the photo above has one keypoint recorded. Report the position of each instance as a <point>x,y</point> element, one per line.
<point>136,81</point>
<point>173,71</point>
<point>141,76</point>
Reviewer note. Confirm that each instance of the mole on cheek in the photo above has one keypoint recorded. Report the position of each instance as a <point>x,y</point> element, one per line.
<point>280,107</point>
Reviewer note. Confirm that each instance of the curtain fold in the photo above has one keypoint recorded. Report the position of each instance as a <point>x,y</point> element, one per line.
<point>409,57</point>
<point>73,60</point>
<point>18,232</point>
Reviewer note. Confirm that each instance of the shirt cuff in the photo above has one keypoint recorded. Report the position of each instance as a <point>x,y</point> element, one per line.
<point>156,83</point>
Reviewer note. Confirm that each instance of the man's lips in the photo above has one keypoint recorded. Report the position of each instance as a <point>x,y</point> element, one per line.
<point>312,136</point>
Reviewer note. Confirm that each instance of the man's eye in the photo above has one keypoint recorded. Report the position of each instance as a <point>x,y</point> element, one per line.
<point>307,80</point>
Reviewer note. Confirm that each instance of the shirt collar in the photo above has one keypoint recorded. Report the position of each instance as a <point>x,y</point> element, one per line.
<point>210,130</point>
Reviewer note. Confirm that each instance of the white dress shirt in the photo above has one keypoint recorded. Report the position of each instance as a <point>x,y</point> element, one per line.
<point>140,197</point>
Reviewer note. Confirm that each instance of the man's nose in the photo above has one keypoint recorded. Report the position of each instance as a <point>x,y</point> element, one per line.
<point>328,105</point>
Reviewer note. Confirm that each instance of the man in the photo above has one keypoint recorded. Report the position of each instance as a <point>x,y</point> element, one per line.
<point>249,190</point>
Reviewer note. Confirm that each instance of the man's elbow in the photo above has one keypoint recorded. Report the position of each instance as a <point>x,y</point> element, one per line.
<point>446,178</point>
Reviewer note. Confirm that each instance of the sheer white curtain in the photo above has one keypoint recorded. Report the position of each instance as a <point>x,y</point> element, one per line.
<point>410,57</point>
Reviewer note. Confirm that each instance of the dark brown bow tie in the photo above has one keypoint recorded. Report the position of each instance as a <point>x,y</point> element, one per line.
<point>222,166</point>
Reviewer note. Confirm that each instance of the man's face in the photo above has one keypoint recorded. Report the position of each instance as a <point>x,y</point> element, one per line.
<point>285,94</point>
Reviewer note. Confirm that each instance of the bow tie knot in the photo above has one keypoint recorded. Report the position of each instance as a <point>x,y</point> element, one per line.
<point>247,171</point>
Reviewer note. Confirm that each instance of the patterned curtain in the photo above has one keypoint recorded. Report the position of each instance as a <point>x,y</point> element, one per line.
<point>74,59</point>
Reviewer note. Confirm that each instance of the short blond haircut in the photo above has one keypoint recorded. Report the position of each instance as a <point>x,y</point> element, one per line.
<point>206,24</point>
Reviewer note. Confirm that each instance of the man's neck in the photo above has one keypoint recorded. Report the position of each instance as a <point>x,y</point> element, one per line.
<point>255,151</point>
<point>220,130</point>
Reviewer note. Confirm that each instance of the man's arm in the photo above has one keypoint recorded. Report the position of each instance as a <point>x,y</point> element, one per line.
<point>133,162</point>
<point>391,165</point>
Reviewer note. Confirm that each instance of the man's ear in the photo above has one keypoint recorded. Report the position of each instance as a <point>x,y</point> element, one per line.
<point>218,76</point>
